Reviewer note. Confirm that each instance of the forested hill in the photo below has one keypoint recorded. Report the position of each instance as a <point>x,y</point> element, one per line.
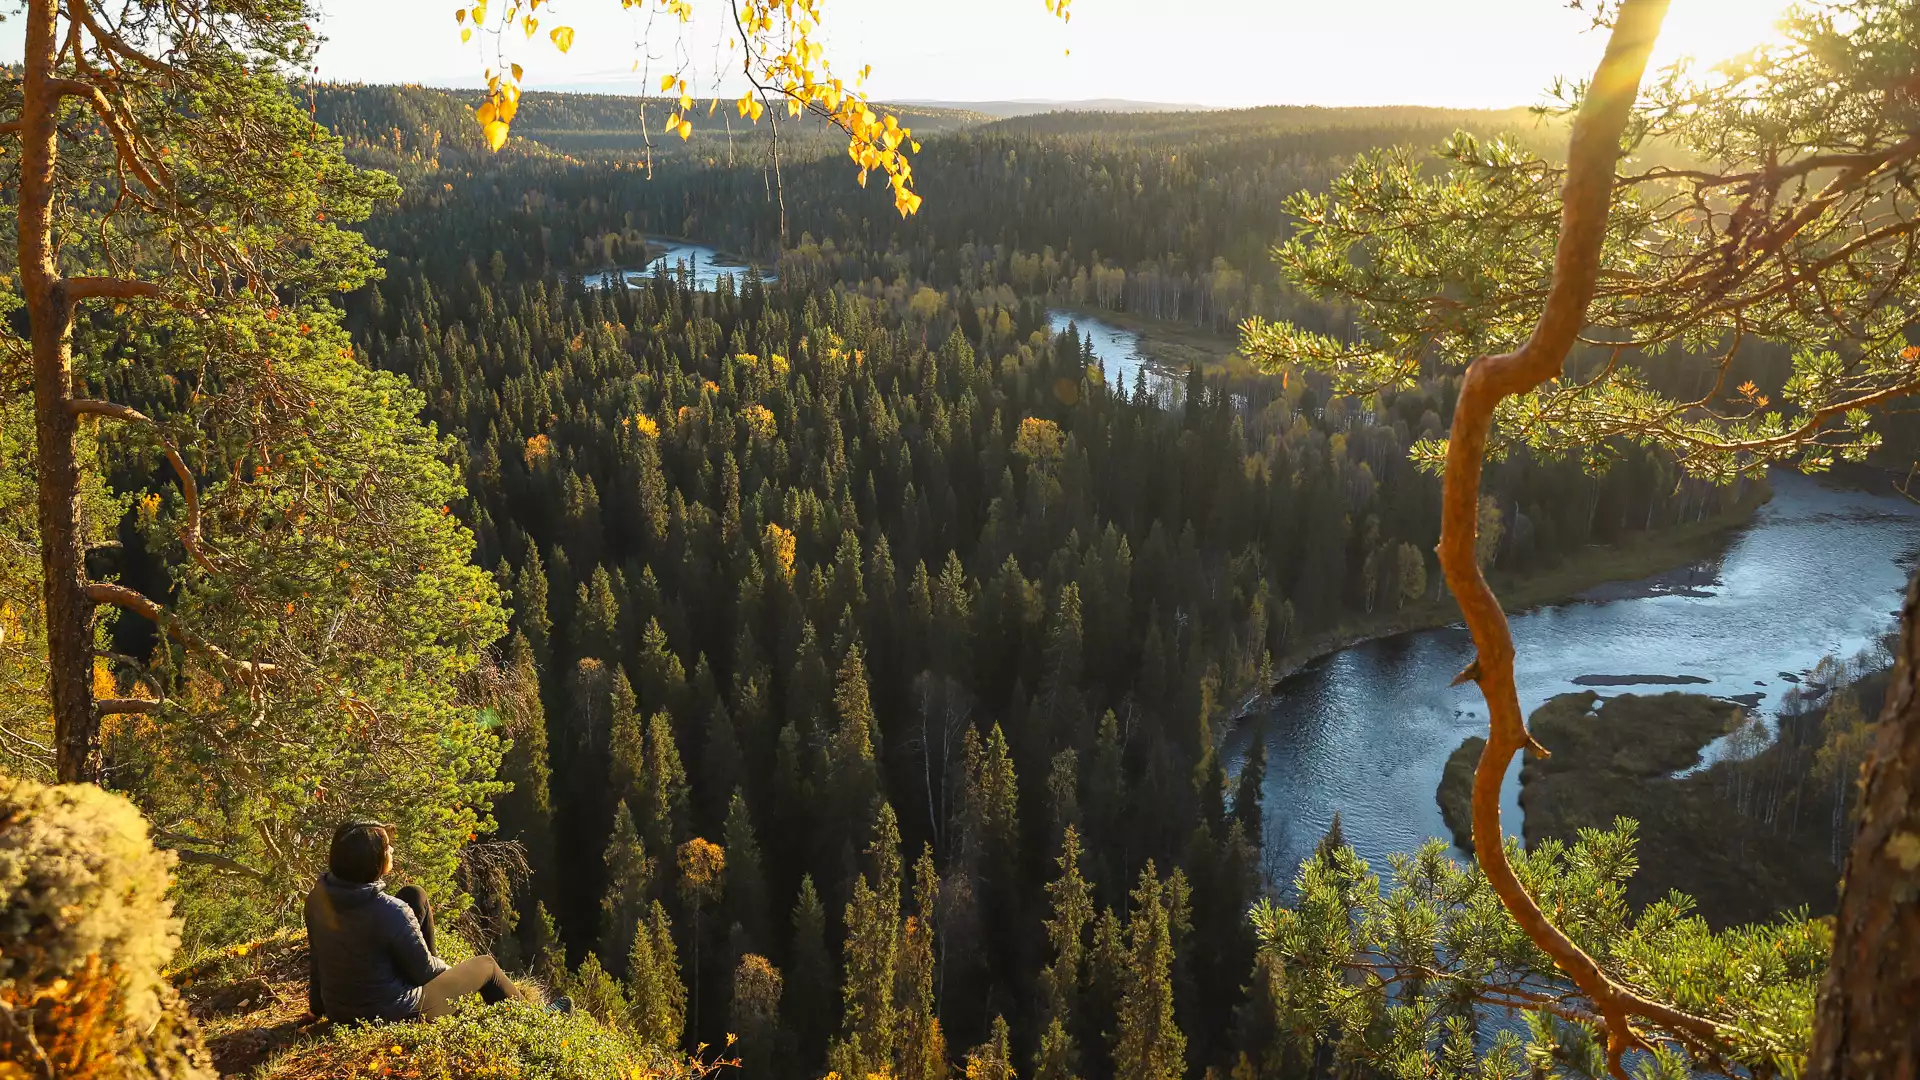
<point>1168,215</point>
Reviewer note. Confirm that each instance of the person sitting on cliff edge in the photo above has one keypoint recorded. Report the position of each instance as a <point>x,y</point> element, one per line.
<point>371,952</point>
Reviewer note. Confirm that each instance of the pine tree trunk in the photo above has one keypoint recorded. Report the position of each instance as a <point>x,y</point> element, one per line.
<point>1868,1019</point>
<point>68,611</point>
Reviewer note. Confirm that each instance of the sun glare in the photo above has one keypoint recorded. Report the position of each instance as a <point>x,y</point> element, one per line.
<point>1711,30</point>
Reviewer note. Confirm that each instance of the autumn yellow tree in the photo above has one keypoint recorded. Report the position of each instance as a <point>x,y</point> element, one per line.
<point>779,47</point>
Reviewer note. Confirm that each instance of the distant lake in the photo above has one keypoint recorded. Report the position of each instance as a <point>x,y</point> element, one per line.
<point>707,266</point>
<point>1119,352</point>
<point>1366,731</point>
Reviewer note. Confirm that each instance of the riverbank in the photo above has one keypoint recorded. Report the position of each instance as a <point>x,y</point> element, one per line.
<point>1663,554</point>
<point>1618,757</point>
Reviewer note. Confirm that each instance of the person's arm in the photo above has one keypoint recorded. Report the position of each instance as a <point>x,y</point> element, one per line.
<point>410,954</point>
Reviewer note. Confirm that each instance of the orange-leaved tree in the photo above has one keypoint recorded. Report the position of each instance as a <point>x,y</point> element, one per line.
<point>782,57</point>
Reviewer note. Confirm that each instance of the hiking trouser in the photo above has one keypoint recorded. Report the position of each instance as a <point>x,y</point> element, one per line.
<point>475,975</point>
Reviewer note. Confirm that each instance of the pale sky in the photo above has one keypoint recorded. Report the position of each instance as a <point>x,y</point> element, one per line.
<point>1213,52</point>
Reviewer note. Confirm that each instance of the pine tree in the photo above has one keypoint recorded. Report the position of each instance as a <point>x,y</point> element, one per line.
<point>656,998</point>
<point>629,877</point>
<point>1147,1042</point>
<point>870,1020</point>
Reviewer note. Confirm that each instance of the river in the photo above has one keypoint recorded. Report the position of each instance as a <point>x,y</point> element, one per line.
<point>1119,352</point>
<point>707,266</point>
<point>1366,731</point>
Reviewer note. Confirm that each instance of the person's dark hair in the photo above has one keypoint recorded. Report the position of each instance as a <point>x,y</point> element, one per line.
<point>358,853</point>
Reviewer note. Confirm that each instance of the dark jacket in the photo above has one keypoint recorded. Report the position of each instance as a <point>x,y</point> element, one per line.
<point>369,959</point>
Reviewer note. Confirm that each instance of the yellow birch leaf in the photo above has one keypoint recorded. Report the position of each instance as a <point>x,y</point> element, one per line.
<point>496,132</point>
<point>562,37</point>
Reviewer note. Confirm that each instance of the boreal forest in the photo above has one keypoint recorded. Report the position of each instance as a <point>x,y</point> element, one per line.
<point>1042,613</point>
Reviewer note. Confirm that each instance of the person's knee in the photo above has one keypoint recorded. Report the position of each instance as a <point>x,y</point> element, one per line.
<point>411,895</point>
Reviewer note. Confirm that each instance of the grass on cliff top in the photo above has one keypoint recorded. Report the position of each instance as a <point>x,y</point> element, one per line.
<point>249,998</point>
<point>509,1040</point>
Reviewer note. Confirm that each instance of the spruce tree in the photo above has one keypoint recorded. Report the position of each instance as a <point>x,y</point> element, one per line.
<point>659,676</point>
<point>746,885</point>
<point>663,791</point>
<point>597,993</point>
<point>810,995</point>
<point>870,1020</point>
<point>626,745</point>
<point>1249,792</point>
<point>923,1047</point>
<point>652,490</point>
<point>1060,690</point>
<point>656,997</point>
<point>629,878</point>
<point>993,1059</point>
<point>722,770</point>
<point>530,605</point>
<point>1072,903</point>
<point>1147,1042</point>
<point>549,955</point>
<point>596,615</point>
<point>991,812</point>
<point>1063,796</point>
<point>525,811</point>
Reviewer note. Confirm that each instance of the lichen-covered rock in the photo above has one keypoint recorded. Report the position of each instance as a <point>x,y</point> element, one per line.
<point>85,929</point>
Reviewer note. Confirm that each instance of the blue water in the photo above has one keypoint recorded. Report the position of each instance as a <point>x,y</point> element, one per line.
<point>1366,731</point>
<point>1118,352</point>
<point>707,266</point>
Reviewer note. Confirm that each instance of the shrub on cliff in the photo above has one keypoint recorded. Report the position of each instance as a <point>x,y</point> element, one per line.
<point>85,928</point>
